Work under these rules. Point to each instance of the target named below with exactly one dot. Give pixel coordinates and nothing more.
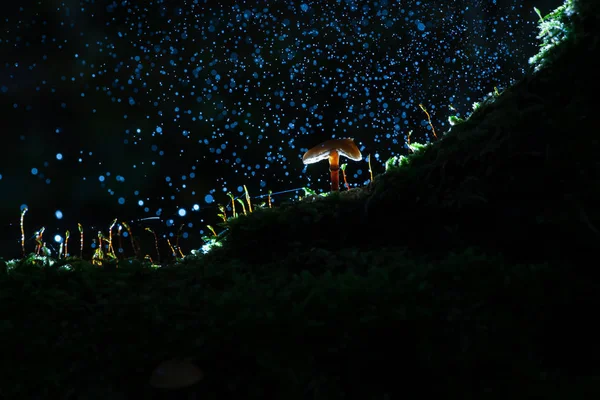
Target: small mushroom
(176, 374)
(332, 149)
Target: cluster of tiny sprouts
(104, 250)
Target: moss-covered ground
(469, 269)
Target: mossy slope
(365, 294)
(521, 176)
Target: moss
(460, 267)
(571, 24)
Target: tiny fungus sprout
(111, 249)
(177, 240)
(128, 229)
(223, 214)
(232, 204)
(120, 237)
(343, 168)
(155, 243)
(80, 240)
(428, 119)
(172, 248)
(212, 230)
(38, 238)
(67, 234)
(243, 205)
(23, 230)
(248, 199)
(331, 150)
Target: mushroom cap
(175, 374)
(346, 147)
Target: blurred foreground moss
(348, 323)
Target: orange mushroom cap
(345, 147)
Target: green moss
(554, 29)
(568, 25)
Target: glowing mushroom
(332, 150)
(175, 374)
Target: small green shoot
(243, 205)
(343, 168)
(454, 120)
(309, 192)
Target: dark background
(141, 110)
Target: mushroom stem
(334, 169)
